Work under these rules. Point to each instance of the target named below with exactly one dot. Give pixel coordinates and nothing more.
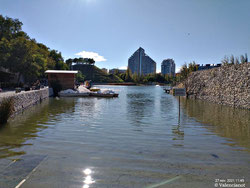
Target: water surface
(135, 140)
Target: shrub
(80, 77)
(6, 109)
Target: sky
(110, 31)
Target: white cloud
(93, 55)
(123, 67)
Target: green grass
(95, 74)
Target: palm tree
(81, 60)
(91, 61)
(75, 60)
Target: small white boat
(83, 92)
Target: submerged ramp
(18, 171)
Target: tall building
(168, 67)
(141, 63)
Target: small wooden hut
(64, 77)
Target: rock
(226, 85)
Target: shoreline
(130, 84)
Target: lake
(135, 140)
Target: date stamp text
(230, 182)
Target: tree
(59, 62)
(225, 61)
(184, 71)
(242, 59)
(69, 62)
(150, 78)
(192, 66)
(128, 75)
(91, 61)
(177, 78)
(81, 60)
(9, 28)
(167, 78)
(22, 55)
(237, 61)
(25, 59)
(5, 52)
(80, 77)
(135, 78)
(75, 60)
(159, 78)
(232, 60)
(246, 58)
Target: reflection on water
(88, 180)
(178, 132)
(234, 124)
(26, 126)
(139, 105)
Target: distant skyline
(111, 30)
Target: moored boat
(109, 95)
(83, 92)
(94, 89)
